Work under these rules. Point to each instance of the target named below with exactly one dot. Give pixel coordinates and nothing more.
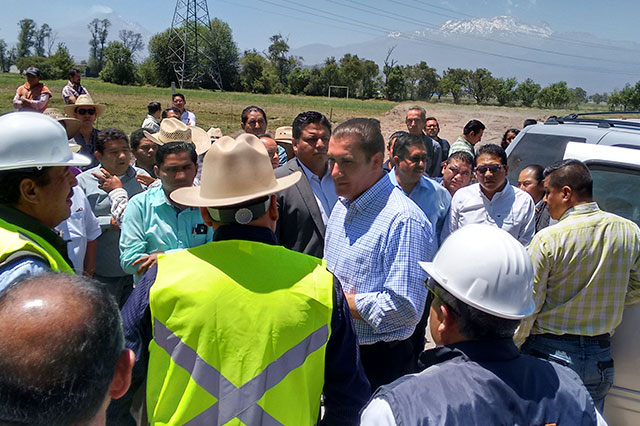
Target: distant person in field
(529, 122)
(87, 111)
(152, 121)
(471, 135)
(432, 128)
(272, 149)
(416, 121)
(254, 121)
(186, 116)
(171, 112)
(73, 89)
(32, 95)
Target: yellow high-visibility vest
(239, 336)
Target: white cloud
(98, 8)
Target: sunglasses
(493, 168)
(83, 111)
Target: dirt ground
(452, 119)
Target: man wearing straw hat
(36, 195)
(87, 112)
(241, 329)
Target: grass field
(127, 105)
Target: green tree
(614, 101)
(61, 61)
(555, 95)
(4, 58)
(481, 85)
(527, 92)
(627, 97)
(599, 98)
(359, 75)
(427, 80)
(315, 87)
(99, 29)
(256, 74)
(329, 76)
(396, 84)
(118, 67)
(453, 81)
(298, 80)
(225, 54)
(578, 96)
(26, 37)
(40, 38)
(278, 55)
(40, 62)
(505, 91)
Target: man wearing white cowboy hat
(87, 112)
(237, 329)
(174, 130)
(476, 375)
(36, 194)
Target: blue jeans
(590, 359)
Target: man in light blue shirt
(153, 224)
(374, 238)
(409, 160)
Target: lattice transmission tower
(191, 45)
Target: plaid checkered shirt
(373, 245)
(587, 268)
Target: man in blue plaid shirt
(374, 238)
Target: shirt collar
(376, 193)
(309, 173)
(234, 231)
(475, 350)
(581, 209)
(394, 180)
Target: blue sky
(254, 21)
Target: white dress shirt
(510, 209)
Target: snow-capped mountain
(491, 26)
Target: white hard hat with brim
(234, 171)
(486, 268)
(31, 139)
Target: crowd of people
(180, 276)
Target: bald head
(61, 341)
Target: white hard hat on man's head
(31, 139)
(486, 268)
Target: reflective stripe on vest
(239, 332)
(14, 239)
(240, 402)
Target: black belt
(600, 338)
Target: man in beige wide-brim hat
(243, 293)
(174, 130)
(87, 111)
(284, 138)
(84, 102)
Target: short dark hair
(10, 182)
(303, 119)
(109, 134)
(252, 108)
(394, 136)
(504, 144)
(180, 95)
(473, 323)
(175, 148)
(154, 107)
(166, 110)
(529, 122)
(462, 156)
(493, 150)
(423, 112)
(136, 136)
(474, 126)
(403, 142)
(431, 118)
(367, 131)
(538, 171)
(68, 384)
(72, 72)
(571, 173)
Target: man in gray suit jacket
(305, 207)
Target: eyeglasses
(459, 172)
(493, 168)
(432, 285)
(83, 111)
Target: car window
(616, 190)
(536, 148)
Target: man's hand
(114, 224)
(106, 181)
(146, 262)
(351, 301)
(144, 179)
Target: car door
(616, 179)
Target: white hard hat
(31, 139)
(485, 267)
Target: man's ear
(273, 208)
(448, 322)
(378, 159)
(567, 192)
(206, 217)
(122, 376)
(395, 160)
(29, 191)
(294, 145)
(156, 169)
(98, 156)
